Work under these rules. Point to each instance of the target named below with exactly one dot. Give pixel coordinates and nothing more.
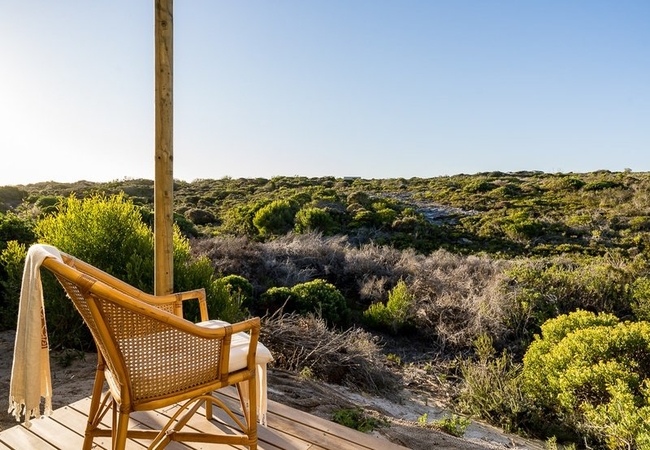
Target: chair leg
(120, 429)
(208, 410)
(247, 391)
(252, 412)
(93, 412)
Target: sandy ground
(74, 382)
(69, 384)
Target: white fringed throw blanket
(30, 374)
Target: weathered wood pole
(164, 176)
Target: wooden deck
(288, 429)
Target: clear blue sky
(370, 88)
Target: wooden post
(164, 176)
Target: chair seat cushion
(239, 347)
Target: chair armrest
(252, 326)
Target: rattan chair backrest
(142, 345)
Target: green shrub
(317, 296)
(276, 218)
(12, 261)
(11, 197)
(15, 234)
(315, 219)
(365, 218)
(544, 289)
(601, 185)
(393, 315)
(641, 298)
(222, 303)
(491, 387)
(360, 198)
(275, 298)
(239, 286)
(357, 419)
(190, 274)
(640, 223)
(563, 183)
(455, 425)
(507, 191)
(47, 204)
(520, 226)
(624, 421)
(108, 232)
(200, 216)
(186, 227)
(590, 374)
(478, 185)
(321, 297)
(238, 220)
(14, 228)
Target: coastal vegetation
(524, 296)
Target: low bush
(12, 260)
(16, 234)
(189, 274)
(239, 287)
(640, 289)
(358, 419)
(274, 299)
(454, 425)
(315, 297)
(15, 228)
(490, 387)
(276, 218)
(108, 232)
(590, 374)
(395, 314)
(314, 219)
(545, 288)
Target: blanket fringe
(18, 410)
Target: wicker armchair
(150, 357)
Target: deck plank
(220, 422)
(298, 430)
(156, 420)
(20, 438)
(355, 439)
(268, 439)
(77, 417)
(53, 432)
(288, 429)
(83, 406)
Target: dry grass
(457, 298)
(351, 358)
(461, 297)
